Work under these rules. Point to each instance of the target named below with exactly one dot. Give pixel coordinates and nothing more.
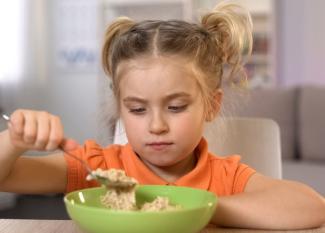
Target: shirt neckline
(199, 177)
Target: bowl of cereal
(147, 208)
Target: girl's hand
(37, 130)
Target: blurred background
(50, 60)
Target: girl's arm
(271, 204)
(34, 174)
(33, 130)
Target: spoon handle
(5, 117)
(89, 170)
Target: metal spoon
(103, 180)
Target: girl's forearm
(285, 205)
(8, 155)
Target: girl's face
(161, 108)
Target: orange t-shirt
(220, 175)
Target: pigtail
(231, 27)
(115, 29)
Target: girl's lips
(159, 145)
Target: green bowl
(197, 208)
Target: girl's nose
(158, 125)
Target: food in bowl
(160, 204)
(86, 210)
(124, 198)
(119, 200)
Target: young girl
(166, 77)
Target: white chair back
(257, 140)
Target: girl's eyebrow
(167, 98)
(177, 95)
(134, 99)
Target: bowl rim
(211, 204)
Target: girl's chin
(163, 164)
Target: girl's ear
(215, 106)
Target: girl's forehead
(156, 76)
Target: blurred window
(11, 39)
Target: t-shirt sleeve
(242, 175)
(236, 174)
(92, 154)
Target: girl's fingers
(30, 128)
(56, 133)
(43, 130)
(16, 127)
(69, 144)
(16, 124)
(13, 135)
(38, 131)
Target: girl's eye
(137, 110)
(177, 108)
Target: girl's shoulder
(231, 171)
(227, 159)
(112, 155)
(229, 166)
(91, 147)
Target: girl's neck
(174, 172)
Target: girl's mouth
(158, 146)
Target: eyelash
(177, 108)
(174, 109)
(137, 110)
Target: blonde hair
(221, 40)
